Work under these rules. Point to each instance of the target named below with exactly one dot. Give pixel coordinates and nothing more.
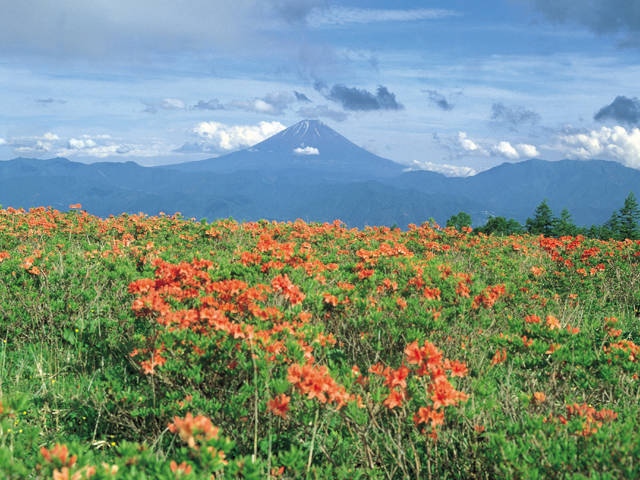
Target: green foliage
(459, 221)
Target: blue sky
(453, 86)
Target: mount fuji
(309, 147)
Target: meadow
(138, 346)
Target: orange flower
(443, 394)
(395, 399)
(182, 469)
(552, 322)
(329, 299)
(539, 397)
(60, 453)
(429, 415)
(499, 357)
(279, 405)
(532, 319)
(193, 430)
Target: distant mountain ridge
(309, 171)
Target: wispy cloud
(513, 116)
(439, 100)
(600, 16)
(345, 15)
(213, 104)
(164, 104)
(271, 104)
(443, 168)
(322, 111)
(49, 101)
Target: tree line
(623, 223)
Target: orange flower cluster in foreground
(428, 366)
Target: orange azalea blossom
(537, 271)
(489, 296)
(156, 360)
(431, 293)
(395, 399)
(330, 300)
(4, 256)
(532, 319)
(279, 405)
(193, 430)
(429, 415)
(499, 357)
(291, 292)
(316, 382)
(182, 469)
(539, 397)
(59, 453)
(552, 348)
(443, 394)
(552, 322)
(401, 303)
(626, 346)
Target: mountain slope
(310, 148)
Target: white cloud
(98, 146)
(615, 143)
(527, 151)
(226, 137)
(51, 137)
(467, 144)
(344, 15)
(505, 149)
(78, 144)
(443, 168)
(306, 151)
(517, 152)
(2, 141)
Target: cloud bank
(104, 29)
(615, 143)
(218, 136)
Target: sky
(455, 86)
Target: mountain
(309, 171)
(309, 148)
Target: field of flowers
(162, 347)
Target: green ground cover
(161, 347)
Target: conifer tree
(542, 221)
